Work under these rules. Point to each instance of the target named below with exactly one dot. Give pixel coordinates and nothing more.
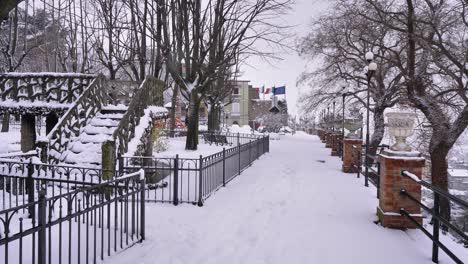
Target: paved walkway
(292, 206)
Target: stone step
(99, 138)
(114, 116)
(79, 147)
(114, 109)
(98, 122)
(94, 130)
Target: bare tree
(207, 40)
(434, 68)
(339, 42)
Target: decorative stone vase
(352, 125)
(400, 125)
(338, 125)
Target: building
(271, 114)
(237, 112)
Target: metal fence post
(238, 139)
(224, 167)
(121, 165)
(41, 242)
(258, 148)
(239, 156)
(268, 143)
(435, 233)
(30, 190)
(200, 182)
(359, 160)
(378, 180)
(142, 208)
(250, 152)
(176, 181)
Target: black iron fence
(217, 138)
(20, 182)
(371, 168)
(438, 220)
(78, 226)
(180, 180)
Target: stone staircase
(85, 150)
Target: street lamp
(369, 70)
(333, 120)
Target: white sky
(286, 71)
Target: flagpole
(263, 91)
(285, 92)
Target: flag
(279, 90)
(267, 91)
(258, 90)
(263, 89)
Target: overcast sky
(286, 71)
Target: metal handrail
(435, 213)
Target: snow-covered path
(289, 207)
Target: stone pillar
(350, 157)
(328, 139)
(108, 159)
(391, 182)
(28, 132)
(336, 137)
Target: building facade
(237, 112)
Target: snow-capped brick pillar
(392, 163)
(328, 139)
(351, 154)
(336, 141)
(321, 133)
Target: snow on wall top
(48, 74)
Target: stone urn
(400, 125)
(338, 125)
(353, 125)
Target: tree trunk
(439, 175)
(213, 118)
(192, 126)
(379, 130)
(28, 132)
(6, 122)
(174, 109)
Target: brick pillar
(328, 139)
(336, 138)
(323, 133)
(350, 159)
(320, 134)
(391, 182)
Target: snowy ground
(177, 146)
(292, 206)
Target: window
(235, 90)
(235, 108)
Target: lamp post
(333, 120)
(370, 70)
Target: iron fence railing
(371, 172)
(438, 220)
(180, 180)
(78, 226)
(217, 138)
(20, 182)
